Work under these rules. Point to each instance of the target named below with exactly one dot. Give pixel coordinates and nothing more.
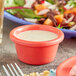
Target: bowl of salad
(56, 13)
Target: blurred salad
(58, 13)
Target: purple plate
(67, 33)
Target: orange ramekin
(36, 53)
(65, 67)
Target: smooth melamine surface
(37, 35)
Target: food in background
(45, 73)
(57, 13)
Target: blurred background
(7, 48)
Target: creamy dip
(37, 35)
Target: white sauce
(37, 35)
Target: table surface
(8, 53)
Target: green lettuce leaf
(59, 26)
(72, 3)
(50, 1)
(11, 3)
(28, 13)
(19, 2)
(61, 10)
